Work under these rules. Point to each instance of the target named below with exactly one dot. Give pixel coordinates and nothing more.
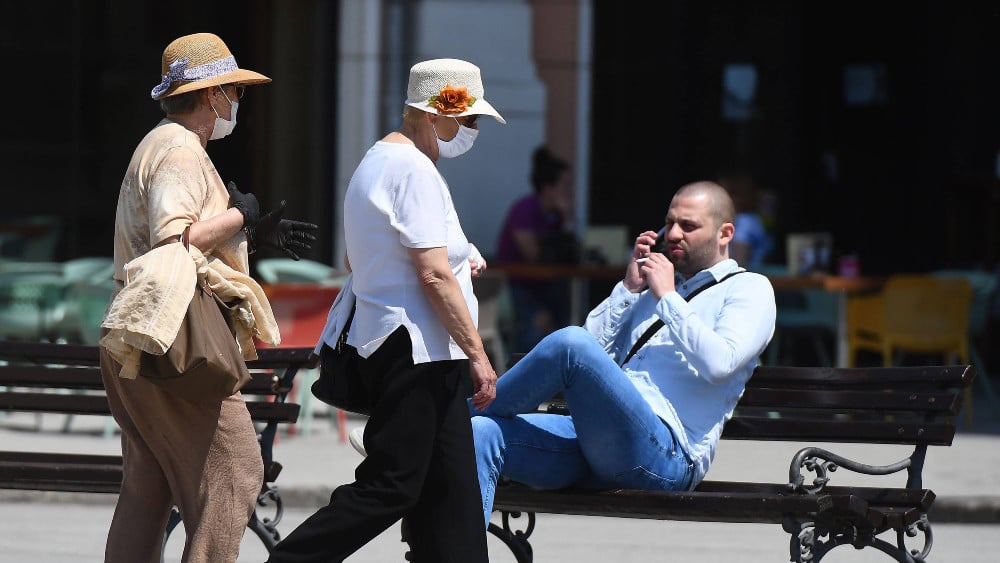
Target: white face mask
(224, 127)
(458, 146)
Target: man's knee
(570, 337)
(487, 437)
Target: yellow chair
(914, 314)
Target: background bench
(912, 406)
(65, 378)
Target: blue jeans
(612, 439)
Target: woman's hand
(477, 264)
(484, 383)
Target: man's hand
(246, 204)
(286, 235)
(635, 279)
(658, 271)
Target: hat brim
(481, 107)
(240, 76)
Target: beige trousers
(205, 459)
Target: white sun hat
(451, 87)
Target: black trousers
(420, 466)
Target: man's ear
(726, 232)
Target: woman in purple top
(536, 229)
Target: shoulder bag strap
(659, 322)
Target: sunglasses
(238, 88)
(470, 120)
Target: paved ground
(58, 528)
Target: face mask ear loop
(211, 105)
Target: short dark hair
(720, 203)
(181, 103)
(546, 168)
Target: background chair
(286, 270)
(30, 305)
(88, 286)
(301, 310)
(56, 302)
(38, 300)
(984, 288)
(804, 316)
(914, 314)
(490, 289)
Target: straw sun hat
(449, 87)
(198, 61)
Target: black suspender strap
(659, 322)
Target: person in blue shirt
(643, 415)
(753, 241)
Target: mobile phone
(660, 245)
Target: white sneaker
(357, 439)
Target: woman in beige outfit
(201, 457)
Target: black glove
(246, 203)
(284, 234)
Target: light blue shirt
(693, 370)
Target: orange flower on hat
(452, 100)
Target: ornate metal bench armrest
(822, 463)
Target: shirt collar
(712, 274)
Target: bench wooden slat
(900, 377)
(45, 353)
(280, 357)
(260, 411)
(893, 517)
(805, 429)
(59, 458)
(42, 471)
(915, 498)
(747, 507)
(262, 381)
(76, 377)
(268, 411)
(54, 402)
(939, 402)
(749, 502)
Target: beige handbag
(204, 363)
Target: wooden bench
(65, 378)
(912, 406)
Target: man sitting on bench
(651, 377)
